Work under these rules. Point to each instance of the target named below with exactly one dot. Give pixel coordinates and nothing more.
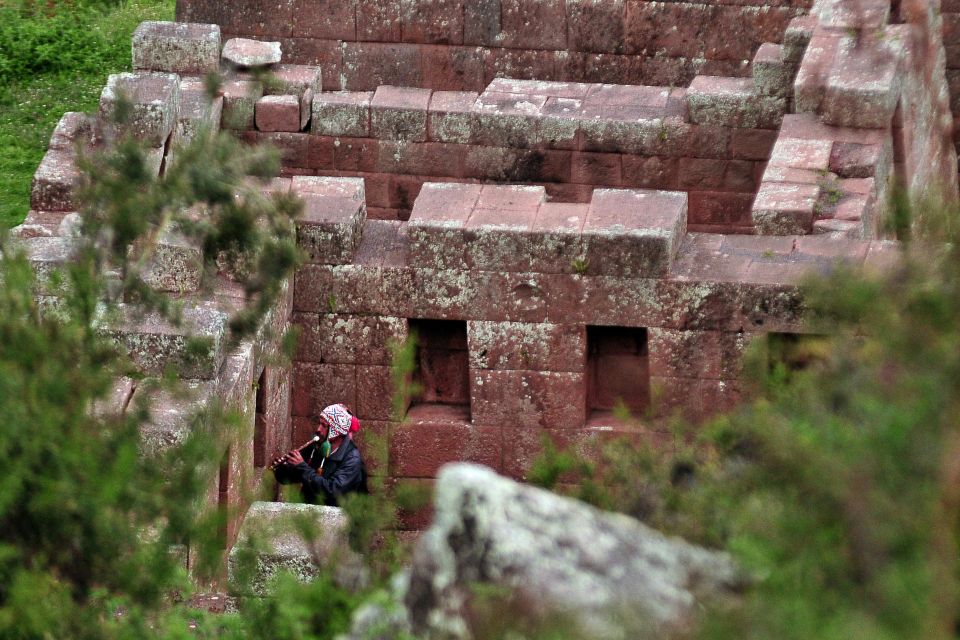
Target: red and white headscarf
(338, 419)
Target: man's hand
(294, 457)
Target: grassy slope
(31, 106)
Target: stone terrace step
(513, 228)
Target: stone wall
(567, 137)
(462, 45)
(951, 40)
(559, 241)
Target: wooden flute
(276, 463)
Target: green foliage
(838, 486)
(87, 523)
(54, 58)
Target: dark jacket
(342, 473)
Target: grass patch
(50, 63)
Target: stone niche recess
(575, 205)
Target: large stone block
(278, 113)
(633, 233)
(528, 399)
(177, 264)
(399, 113)
(198, 112)
(332, 222)
(531, 346)
(55, 182)
(245, 53)
(437, 224)
(342, 114)
(520, 539)
(863, 85)
(783, 208)
(316, 386)
(351, 339)
(435, 435)
(176, 47)
(194, 349)
(279, 527)
(72, 129)
(48, 256)
(432, 21)
(732, 102)
(173, 419)
(451, 116)
(154, 100)
(239, 104)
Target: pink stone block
(796, 153)
(531, 346)
(432, 436)
(316, 386)
(451, 116)
(334, 211)
(55, 182)
(732, 102)
(375, 392)
(520, 400)
(437, 224)
(784, 208)
(399, 113)
(342, 114)
(507, 120)
(278, 113)
(633, 233)
(863, 87)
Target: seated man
(326, 473)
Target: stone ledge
(512, 228)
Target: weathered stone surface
(177, 264)
(783, 208)
(731, 102)
(332, 221)
(399, 113)
(48, 256)
(176, 47)
(772, 75)
(154, 344)
(171, 417)
(521, 345)
(198, 112)
(154, 98)
(294, 79)
(72, 129)
(633, 233)
(608, 575)
(278, 113)
(863, 85)
(277, 526)
(245, 53)
(55, 181)
(239, 104)
(342, 114)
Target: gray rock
(245, 53)
(607, 574)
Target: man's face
(322, 429)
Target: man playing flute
(329, 467)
